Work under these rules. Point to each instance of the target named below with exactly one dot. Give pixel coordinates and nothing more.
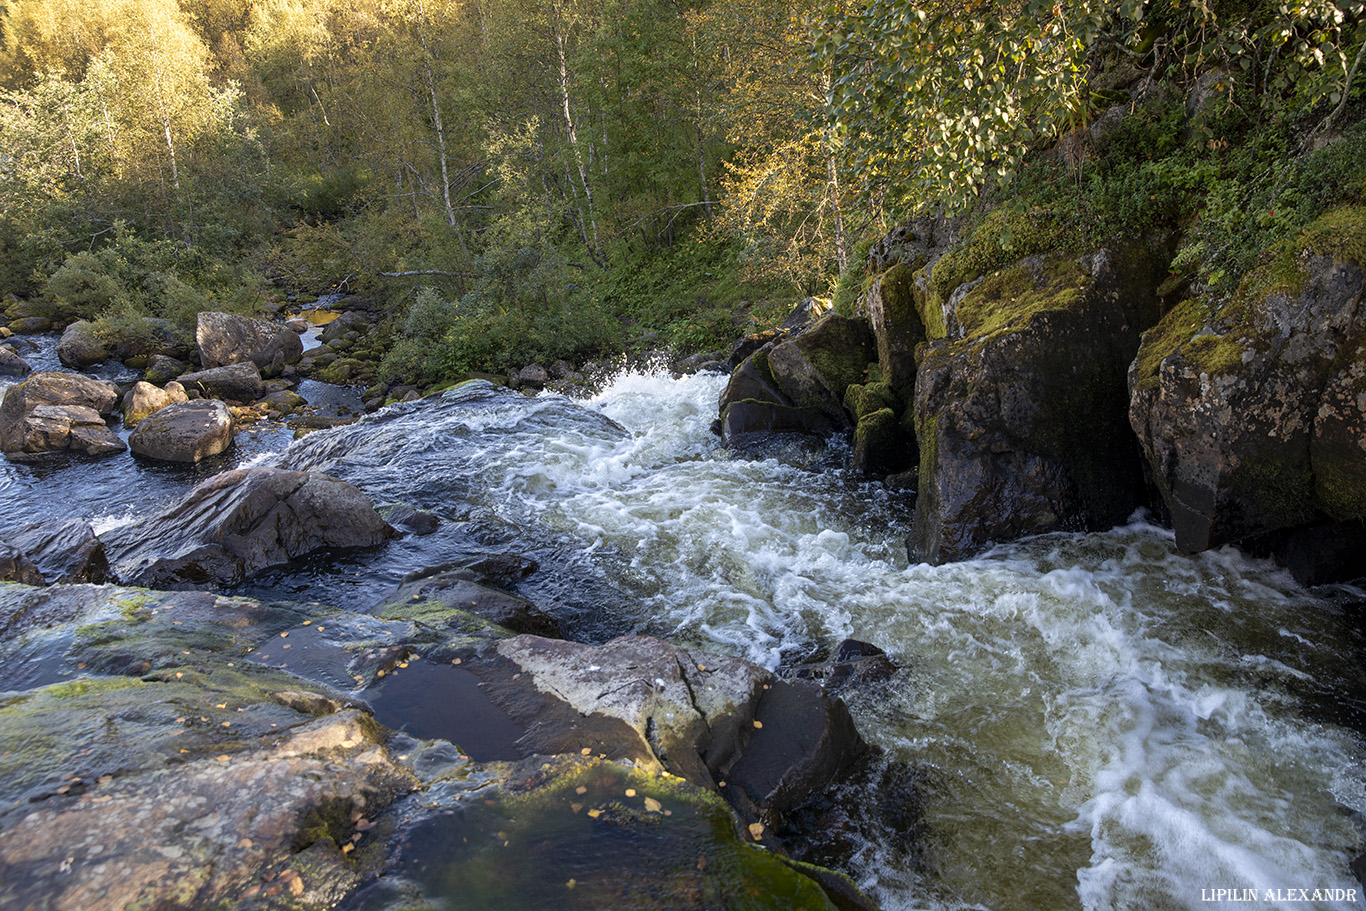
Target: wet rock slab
(191, 758)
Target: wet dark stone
(852, 662)
(61, 551)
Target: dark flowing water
(1098, 722)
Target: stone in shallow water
(51, 411)
(183, 431)
(571, 833)
(240, 522)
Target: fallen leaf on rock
(756, 830)
(594, 813)
(653, 805)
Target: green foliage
(939, 102)
(521, 311)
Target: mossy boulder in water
(82, 345)
(1252, 414)
(814, 368)
(1021, 410)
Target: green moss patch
(593, 834)
(1011, 297)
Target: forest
(514, 179)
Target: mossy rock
(881, 446)
(576, 833)
(1006, 300)
(862, 400)
(1248, 410)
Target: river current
(1094, 721)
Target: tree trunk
(595, 247)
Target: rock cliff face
(1021, 409)
(1252, 416)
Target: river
(1094, 721)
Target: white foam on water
(1103, 723)
(1097, 721)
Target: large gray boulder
(82, 345)
(1252, 414)
(183, 431)
(238, 383)
(226, 338)
(52, 412)
(1021, 407)
(240, 522)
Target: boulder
(754, 408)
(237, 383)
(142, 400)
(183, 431)
(705, 718)
(50, 412)
(814, 368)
(1252, 414)
(533, 376)
(162, 369)
(11, 364)
(226, 339)
(240, 522)
(82, 345)
(1021, 409)
(406, 518)
(61, 552)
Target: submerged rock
(1253, 415)
(1021, 406)
(225, 339)
(240, 522)
(458, 589)
(183, 431)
